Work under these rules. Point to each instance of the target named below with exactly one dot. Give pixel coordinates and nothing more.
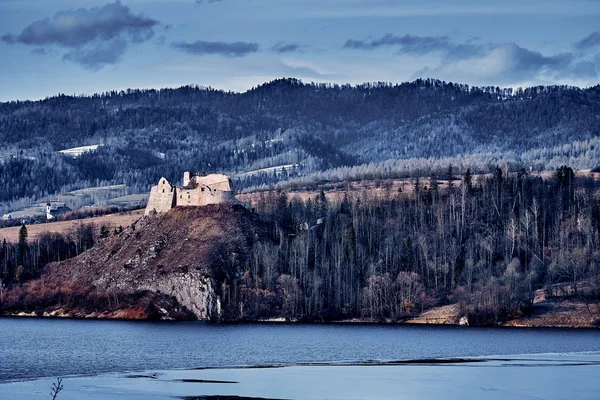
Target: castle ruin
(198, 190)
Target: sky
(49, 47)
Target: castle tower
(186, 178)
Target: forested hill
(305, 127)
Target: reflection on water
(48, 347)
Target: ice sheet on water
(548, 376)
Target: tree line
(25, 259)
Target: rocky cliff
(168, 266)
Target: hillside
(287, 129)
(486, 247)
(169, 266)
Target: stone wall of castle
(219, 182)
(162, 197)
(202, 196)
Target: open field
(382, 188)
(335, 192)
(131, 200)
(11, 234)
(277, 169)
(77, 151)
(98, 195)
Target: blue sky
(81, 47)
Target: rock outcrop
(167, 266)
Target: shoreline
(511, 324)
(558, 312)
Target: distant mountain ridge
(151, 133)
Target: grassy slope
(125, 219)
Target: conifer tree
(23, 246)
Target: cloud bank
(504, 63)
(233, 49)
(408, 43)
(96, 36)
(282, 47)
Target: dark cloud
(590, 41)
(98, 56)
(526, 60)
(465, 51)
(234, 49)
(523, 63)
(418, 45)
(408, 43)
(96, 37)
(286, 47)
(75, 28)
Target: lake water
(32, 348)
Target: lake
(34, 348)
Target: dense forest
(487, 244)
(312, 131)
(25, 259)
